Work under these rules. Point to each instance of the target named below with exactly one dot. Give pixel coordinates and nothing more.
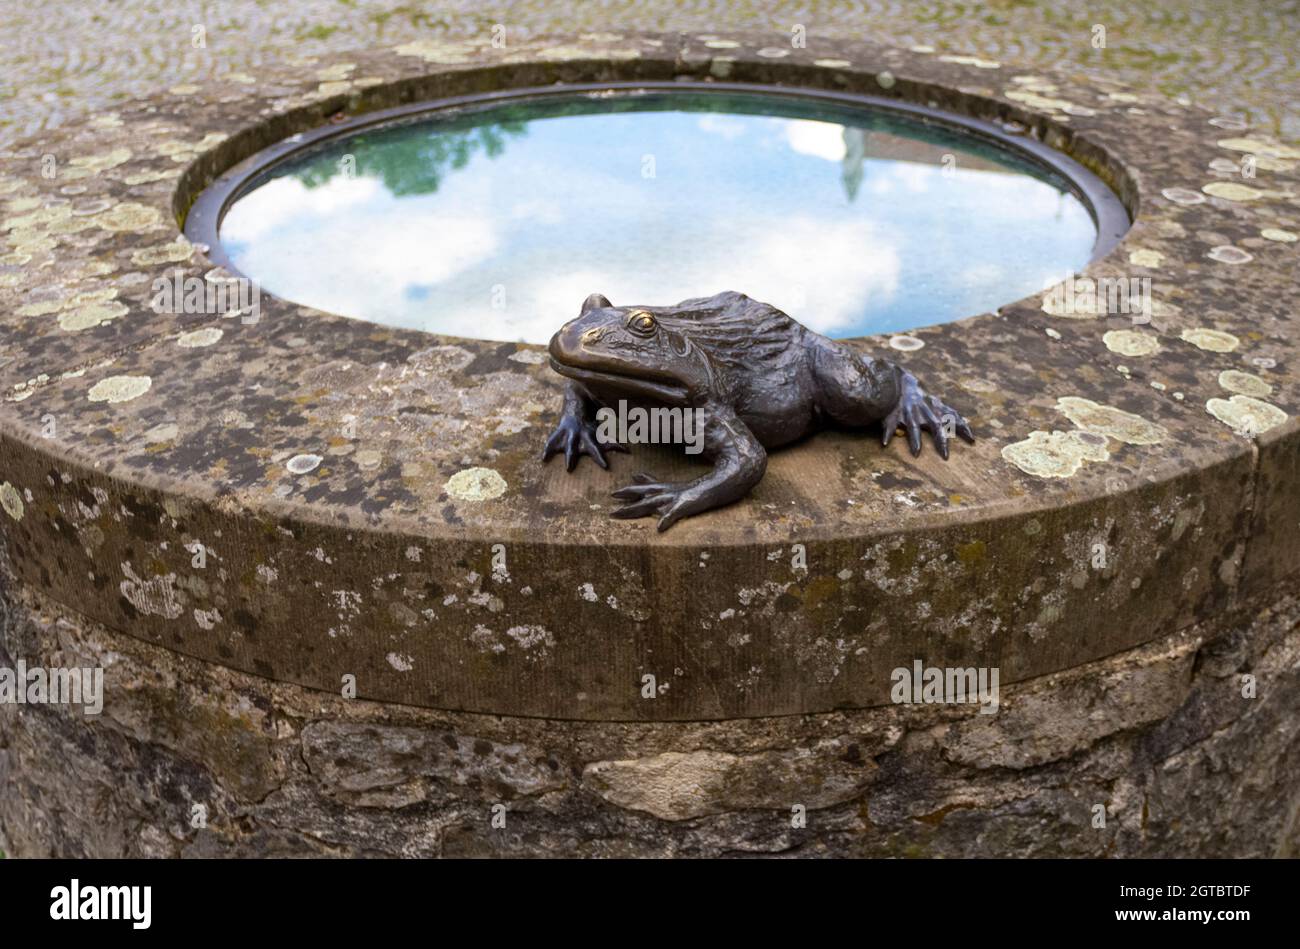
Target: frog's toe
(649, 504)
(961, 427)
(647, 496)
(938, 430)
(889, 428)
(913, 426)
(671, 502)
(676, 511)
(557, 443)
(948, 422)
(645, 484)
(576, 438)
(589, 446)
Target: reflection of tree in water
(855, 156)
(408, 162)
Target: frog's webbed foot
(576, 436)
(670, 501)
(739, 464)
(917, 410)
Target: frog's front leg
(576, 433)
(739, 462)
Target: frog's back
(736, 330)
(761, 351)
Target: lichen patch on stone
(1227, 254)
(905, 343)
(116, 389)
(129, 216)
(1143, 257)
(571, 53)
(11, 501)
(1054, 454)
(41, 307)
(1131, 343)
(1036, 101)
(83, 166)
(1111, 422)
(1258, 146)
(1245, 415)
(1214, 341)
(172, 253)
(1184, 196)
(92, 314)
(199, 338)
(153, 597)
(971, 61)
(302, 464)
(476, 484)
(1232, 191)
(1244, 383)
(402, 662)
(148, 177)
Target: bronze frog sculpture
(762, 379)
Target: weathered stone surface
(1067, 716)
(62, 61)
(378, 766)
(1160, 737)
(676, 786)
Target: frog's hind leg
(739, 462)
(576, 433)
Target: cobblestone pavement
(63, 57)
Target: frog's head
(631, 351)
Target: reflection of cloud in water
(319, 261)
(840, 265)
(982, 274)
(819, 139)
(912, 177)
(821, 272)
(724, 125)
(978, 191)
(269, 207)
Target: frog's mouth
(659, 390)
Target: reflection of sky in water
(498, 226)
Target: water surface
(496, 222)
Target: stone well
(240, 522)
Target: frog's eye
(641, 323)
